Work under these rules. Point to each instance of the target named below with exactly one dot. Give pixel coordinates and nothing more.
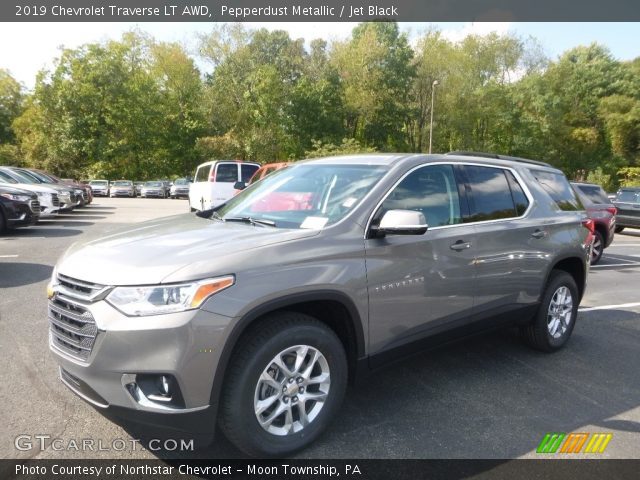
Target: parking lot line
(610, 307)
(615, 265)
(8, 256)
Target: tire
(286, 336)
(191, 209)
(619, 229)
(538, 334)
(597, 247)
(3, 223)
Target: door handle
(460, 245)
(539, 234)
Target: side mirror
(402, 222)
(240, 185)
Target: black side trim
(492, 320)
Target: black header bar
(319, 10)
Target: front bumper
(21, 214)
(185, 346)
(122, 193)
(153, 193)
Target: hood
(147, 253)
(5, 188)
(31, 187)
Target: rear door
(221, 188)
(199, 187)
(511, 248)
(421, 284)
(628, 205)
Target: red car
(603, 213)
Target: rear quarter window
(558, 188)
(592, 194)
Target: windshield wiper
(251, 220)
(210, 213)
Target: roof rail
(499, 157)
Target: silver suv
(256, 314)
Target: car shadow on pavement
(17, 274)
(453, 402)
(44, 230)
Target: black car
(628, 204)
(18, 208)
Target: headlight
(159, 299)
(42, 194)
(18, 198)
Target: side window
(202, 175)
(431, 190)
(490, 197)
(519, 198)
(227, 172)
(247, 171)
(558, 188)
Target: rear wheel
(285, 382)
(597, 248)
(556, 316)
(619, 229)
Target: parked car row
(179, 188)
(28, 195)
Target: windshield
(4, 178)
(123, 183)
(98, 182)
(153, 184)
(592, 194)
(181, 181)
(24, 177)
(628, 196)
(305, 195)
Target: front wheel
(619, 229)
(552, 326)
(285, 382)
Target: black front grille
(55, 201)
(73, 328)
(35, 206)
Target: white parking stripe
(615, 265)
(624, 245)
(610, 307)
(8, 256)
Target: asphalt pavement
(486, 397)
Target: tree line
(139, 108)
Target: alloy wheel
(559, 312)
(292, 390)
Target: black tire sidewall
(242, 394)
(598, 235)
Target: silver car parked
(256, 314)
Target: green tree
(11, 99)
(376, 71)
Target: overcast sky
(26, 48)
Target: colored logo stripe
(598, 443)
(550, 443)
(574, 442)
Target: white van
(214, 182)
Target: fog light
(159, 390)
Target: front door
(421, 284)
